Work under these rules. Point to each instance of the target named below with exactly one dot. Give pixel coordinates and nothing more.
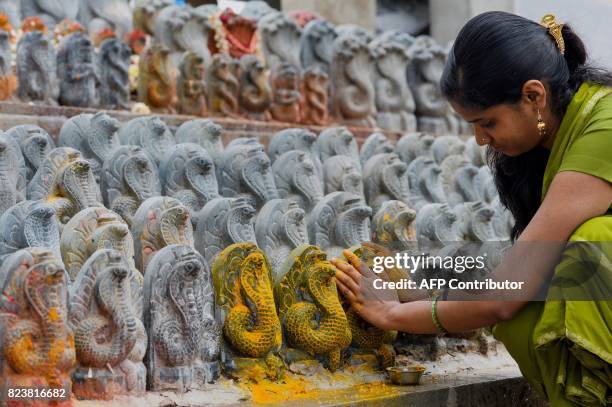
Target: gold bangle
(434, 316)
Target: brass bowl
(405, 374)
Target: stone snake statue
(77, 71)
(393, 226)
(65, 181)
(190, 85)
(255, 95)
(37, 339)
(376, 143)
(204, 132)
(37, 69)
(94, 135)
(150, 133)
(29, 224)
(384, 179)
(222, 85)
(35, 145)
(92, 229)
(350, 75)
(177, 338)
(114, 64)
(280, 228)
(339, 221)
(245, 170)
(245, 299)
(315, 96)
(188, 174)
(296, 177)
(159, 222)
(129, 177)
(337, 141)
(156, 81)
(365, 335)
(319, 325)
(222, 222)
(111, 333)
(179, 309)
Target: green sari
(567, 354)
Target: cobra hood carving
(296, 177)
(105, 312)
(94, 135)
(339, 221)
(29, 224)
(184, 338)
(385, 178)
(245, 171)
(35, 144)
(393, 226)
(92, 229)
(222, 222)
(159, 222)
(376, 143)
(188, 174)
(341, 174)
(204, 132)
(425, 185)
(65, 181)
(280, 227)
(150, 133)
(337, 141)
(37, 340)
(129, 177)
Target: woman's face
(508, 128)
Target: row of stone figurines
(101, 326)
(150, 163)
(228, 87)
(383, 79)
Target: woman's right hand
(356, 282)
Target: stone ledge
(51, 118)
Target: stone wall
(359, 12)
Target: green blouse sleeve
(591, 151)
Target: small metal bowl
(405, 374)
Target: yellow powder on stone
(294, 387)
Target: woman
(546, 118)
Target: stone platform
(454, 380)
(51, 118)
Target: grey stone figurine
(37, 69)
(114, 65)
(76, 71)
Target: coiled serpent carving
(254, 330)
(106, 341)
(320, 326)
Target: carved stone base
(254, 369)
(171, 378)
(104, 384)
(207, 372)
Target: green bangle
(434, 316)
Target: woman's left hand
(371, 304)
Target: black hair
(493, 56)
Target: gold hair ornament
(554, 28)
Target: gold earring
(541, 125)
